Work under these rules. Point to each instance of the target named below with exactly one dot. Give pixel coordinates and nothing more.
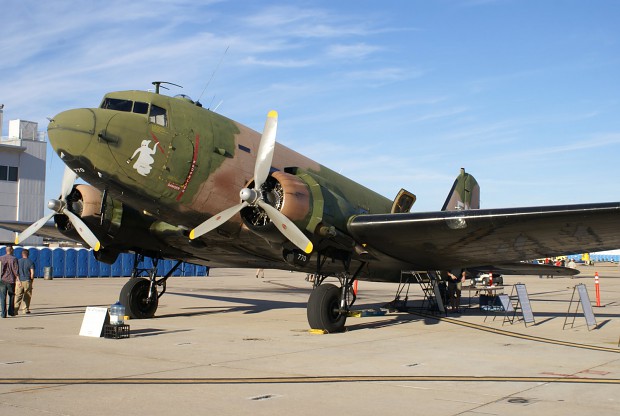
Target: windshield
(129, 106)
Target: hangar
(22, 175)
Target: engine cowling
(287, 193)
(118, 228)
(85, 201)
(314, 207)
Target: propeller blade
(265, 150)
(216, 220)
(83, 230)
(34, 227)
(68, 179)
(287, 227)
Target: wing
(469, 238)
(49, 230)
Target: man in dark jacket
(8, 262)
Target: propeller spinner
(253, 197)
(59, 206)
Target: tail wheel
(324, 309)
(135, 297)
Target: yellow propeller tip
(97, 246)
(309, 248)
(16, 240)
(272, 114)
(192, 235)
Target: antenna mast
(158, 85)
(213, 73)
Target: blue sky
(524, 94)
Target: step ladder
(428, 281)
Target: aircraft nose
(70, 132)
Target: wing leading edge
(468, 238)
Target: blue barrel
(201, 270)
(93, 265)
(58, 262)
(82, 262)
(71, 261)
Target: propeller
(254, 197)
(59, 206)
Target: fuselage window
(158, 116)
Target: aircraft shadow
(249, 306)
(149, 332)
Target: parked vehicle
(483, 279)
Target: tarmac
(231, 344)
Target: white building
(22, 176)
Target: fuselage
(180, 163)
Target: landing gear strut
(140, 295)
(329, 305)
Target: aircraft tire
(134, 297)
(322, 309)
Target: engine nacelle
(85, 201)
(118, 228)
(309, 201)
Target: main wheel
(134, 296)
(324, 309)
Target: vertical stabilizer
(465, 193)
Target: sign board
(94, 319)
(586, 305)
(505, 302)
(524, 300)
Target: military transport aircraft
(171, 179)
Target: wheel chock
(317, 331)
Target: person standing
(455, 285)
(23, 286)
(7, 281)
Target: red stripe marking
(158, 144)
(191, 169)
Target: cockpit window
(140, 108)
(117, 104)
(127, 106)
(158, 116)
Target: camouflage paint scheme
(201, 161)
(165, 174)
